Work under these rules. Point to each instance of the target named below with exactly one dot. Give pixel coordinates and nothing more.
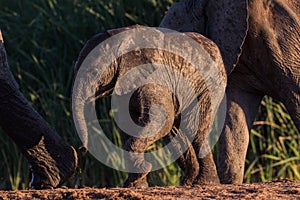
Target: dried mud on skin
(271, 190)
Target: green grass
(43, 39)
(274, 150)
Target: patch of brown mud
(271, 190)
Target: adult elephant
(51, 160)
(165, 79)
(260, 44)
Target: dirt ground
(284, 189)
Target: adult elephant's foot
(51, 163)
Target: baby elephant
(161, 82)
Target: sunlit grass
(274, 150)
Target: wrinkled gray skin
(269, 63)
(51, 160)
(148, 95)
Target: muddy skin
(51, 160)
(263, 37)
(146, 97)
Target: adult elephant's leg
(242, 106)
(289, 95)
(51, 160)
(294, 110)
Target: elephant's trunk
(79, 120)
(83, 94)
(51, 159)
(86, 89)
(90, 83)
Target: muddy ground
(284, 189)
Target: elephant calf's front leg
(152, 109)
(135, 162)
